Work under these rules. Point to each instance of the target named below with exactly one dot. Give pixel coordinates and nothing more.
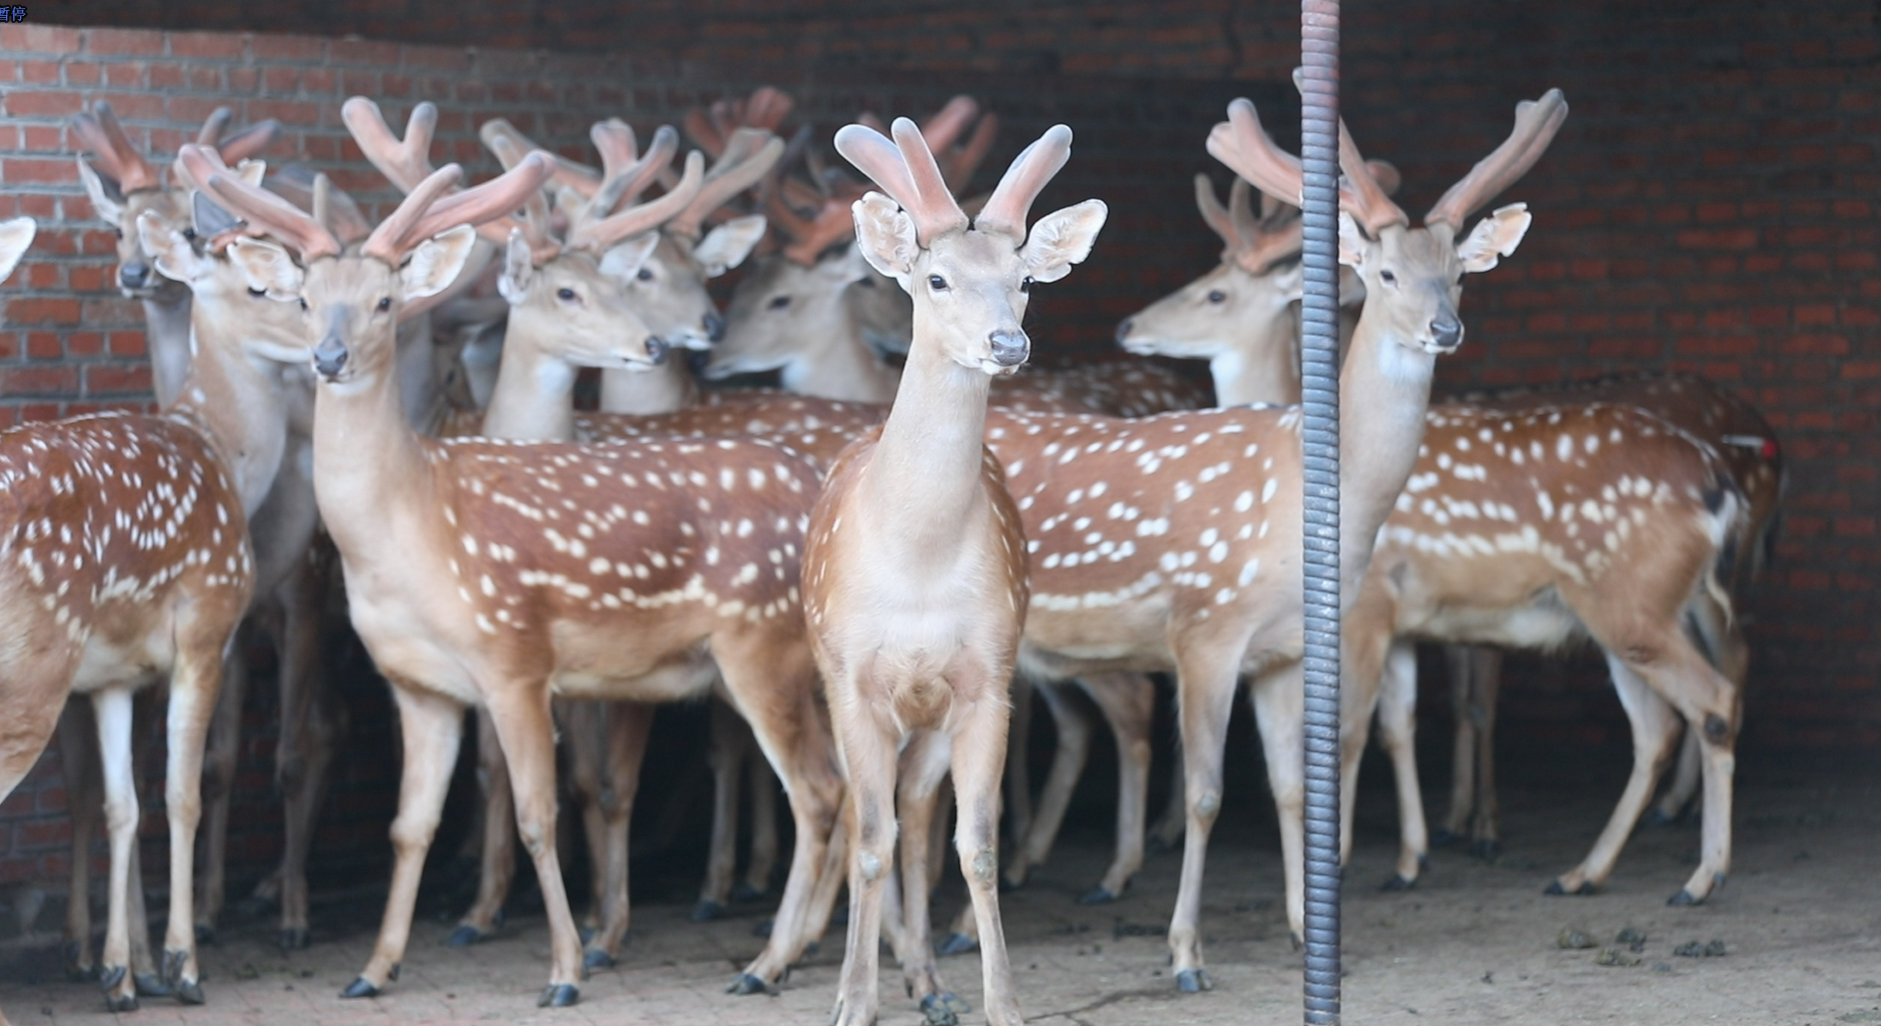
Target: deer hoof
(1294, 938)
(596, 958)
(763, 927)
(706, 911)
(746, 983)
(360, 988)
(558, 995)
(293, 938)
(1099, 895)
(110, 976)
(956, 944)
(464, 936)
(1682, 899)
(150, 985)
(1194, 981)
(586, 933)
(745, 893)
(1487, 850)
(1444, 838)
(205, 934)
(1399, 882)
(189, 992)
(78, 965)
(938, 1010)
(114, 1003)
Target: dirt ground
(1800, 922)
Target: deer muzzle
(134, 275)
(1010, 348)
(657, 351)
(714, 326)
(1446, 334)
(329, 357)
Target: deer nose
(1123, 330)
(329, 357)
(1010, 348)
(657, 349)
(1446, 333)
(714, 326)
(134, 275)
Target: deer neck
(1384, 390)
(664, 389)
(534, 397)
(925, 472)
(166, 333)
(839, 364)
(369, 464)
(239, 401)
(1266, 369)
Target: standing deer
(915, 566)
(125, 555)
(497, 573)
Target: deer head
(1413, 276)
(266, 330)
(124, 185)
(351, 303)
(15, 236)
(970, 280)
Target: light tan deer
(493, 573)
(915, 566)
(125, 556)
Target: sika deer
(493, 573)
(915, 566)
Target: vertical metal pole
(1319, 154)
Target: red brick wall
(1707, 206)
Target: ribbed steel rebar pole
(1319, 153)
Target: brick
(136, 42)
(43, 103)
(207, 44)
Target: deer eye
(119, 232)
(565, 294)
(937, 283)
(1387, 277)
(1217, 296)
(1025, 284)
(258, 293)
(303, 304)
(644, 274)
(867, 283)
(779, 302)
(385, 303)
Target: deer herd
(869, 573)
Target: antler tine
(946, 126)
(596, 235)
(964, 160)
(628, 173)
(1005, 211)
(768, 107)
(389, 240)
(740, 168)
(534, 224)
(1536, 122)
(1213, 213)
(872, 121)
(1365, 199)
(259, 207)
(703, 132)
(297, 184)
(484, 203)
(573, 174)
(1241, 212)
(1271, 245)
(211, 131)
(1243, 145)
(103, 135)
(406, 163)
(249, 141)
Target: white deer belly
(105, 663)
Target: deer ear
(176, 259)
(885, 236)
(518, 267)
(15, 236)
(1352, 241)
(845, 265)
(1289, 283)
(1494, 237)
(435, 264)
(624, 261)
(727, 246)
(1062, 238)
(106, 197)
(267, 266)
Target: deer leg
(730, 740)
(1168, 831)
(584, 733)
(1074, 747)
(310, 729)
(763, 856)
(868, 749)
(224, 747)
(1655, 723)
(1128, 702)
(978, 754)
(84, 801)
(497, 867)
(922, 768)
(526, 730)
(1686, 774)
(628, 724)
(193, 687)
(430, 727)
(1018, 768)
(112, 708)
(1485, 689)
(1397, 729)
(1206, 683)
(1279, 700)
(1456, 660)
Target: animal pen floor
(1800, 922)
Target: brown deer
(915, 565)
(125, 556)
(496, 573)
